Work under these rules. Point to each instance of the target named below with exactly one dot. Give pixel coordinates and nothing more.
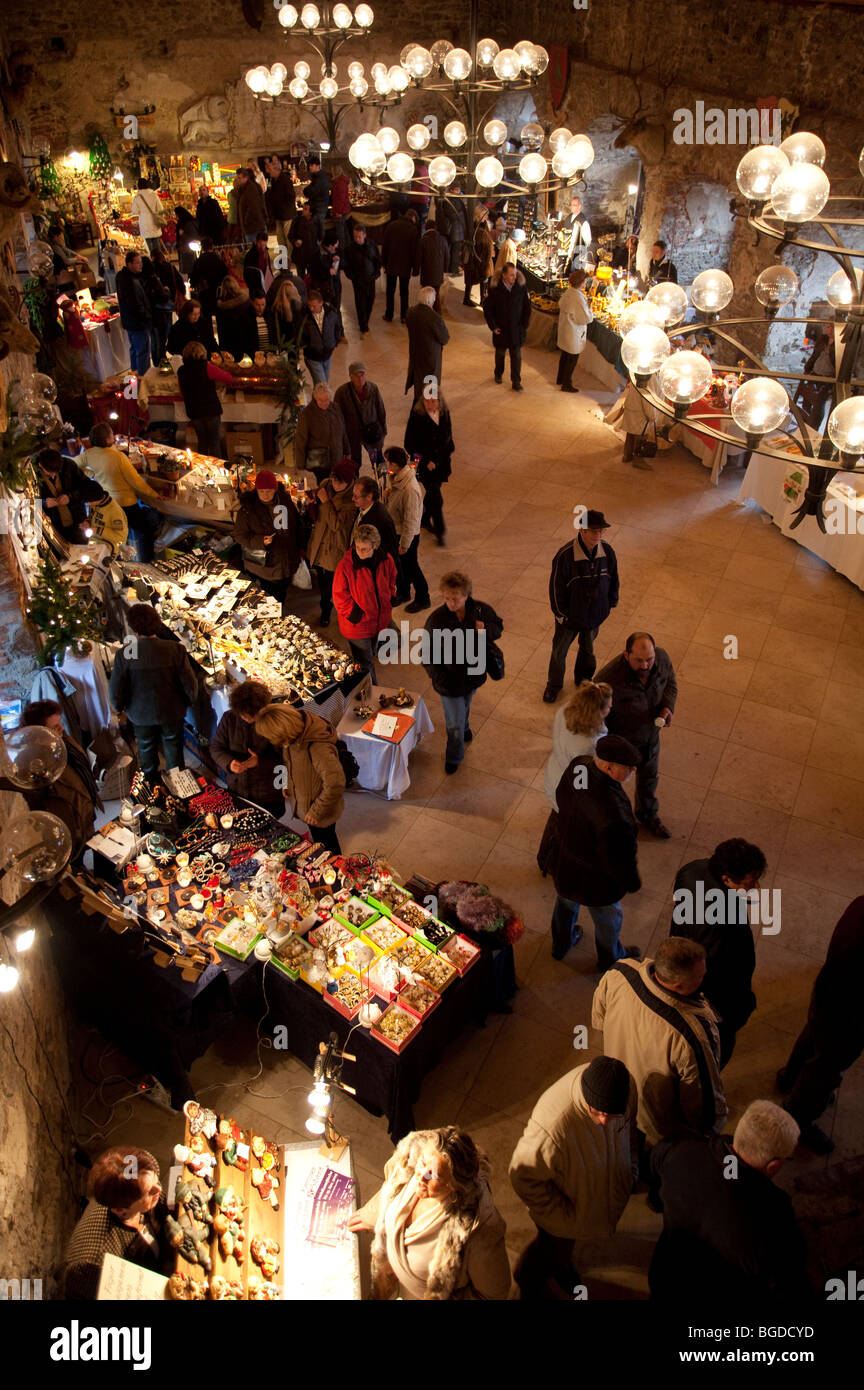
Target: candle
(184, 878)
(196, 902)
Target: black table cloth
(608, 344)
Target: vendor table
(843, 549)
(600, 357)
(107, 350)
(383, 765)
(713, 453)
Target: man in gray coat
(427, 335)
(153, 684)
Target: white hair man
(728, 1231)
(427, 335)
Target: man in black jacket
(324, 270)
(729, 1233)
(450, 217)
(507, 310)
(457, 635)
(136, 313)
(660, 268)
(362, 265)
(427, 338)
(153, 683)
(433, 257)
(210, 218)
(65, 492)
(583, 589)
(372, 512)
(317, 193)
(399, 254)
(320, 331)
(710, 907)
(304, 239)
(362, 407)
(205, 277)
(280, 201)
(644, 691)
(589, 848)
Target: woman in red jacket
(364, 587)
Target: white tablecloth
(763, 483)
(384, 766)
(107, 352)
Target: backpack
(348, 762)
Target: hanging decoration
(100, 160)
(49, 179)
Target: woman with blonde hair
(314, 780)
(575, 732)
(574, 316)
(438, 1234)
(285, 312)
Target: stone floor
(766, 746)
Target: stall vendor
(65, 492)
(123, 1217)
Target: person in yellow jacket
(124, 486)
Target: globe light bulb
(302, 69)
(559, 139)
(417, 136)
(671, 299)
(711, 291)
(24, 940)
(439, 51)
(800, 194)
(32, 757)
(309, 16)
(8, 978)
(403, 56)
(644, 349)
(274, 88)
(319, 1097)
(582, 151)
(758, 169)
(489, 171)
(759, 405)
(685, 377)
(299, 88)
(355, 69)
(803, 148)
(495, 133)
(442, 171)
(329, 70)
(328, 87)
(382, 84)
(457, 64)
(419, 62)
(342, 17)
(363, 16)
(37, 845)
(776, 285)
(532, 135)
(564, 164)
(288, 16)
(378, 70)
(506, 65)
(846, 426)
(388, 139)
(376, 163)
(400, 168)
(358, 87)
(532, 168)
(367, 147)
(315, 1126)
(840, 291)
(541, 59)
(279, 71)
(524, 51)
(643, 311)
(455, 134)
(256, 80)
(399, 78)
(487, 52)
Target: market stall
(382, 745)
(107, 351)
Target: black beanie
(612, 748)
(606, 1085)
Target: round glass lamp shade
(803, 148)
(840, 291)
(457, 64)
(302, 69)
(377, 163)
(846, 426)
(776, 285)
(506, 65)
(279, 71)
(367, 147)
(256, 80)
(403, 56)
(643, 311)
(400, 168)
(455, 134)
(43, 386)
(487, 52)
(355, 69)
(358, 87)
(298, 87)
(32, 757)
(364, 16)
(378, 70)
(38, 845)
(495, 133)
(532, 135)
(419, 62)
(685, 377)
(801, 193)
(711, 291)
(288, 16)
(36, 419)
(532, 168)
(644, 349)
(383, 85)
(309, 16)
(671, 299)
(399, 78)
(758, 169)
(439, 51)
(489, 171)
(541, 59)
(560, 138)
(388, 139)
(418, 136)
(563, 164)
(581, 151)
(274, 86)
(342, 17)
(759, 405)
(328, 87)
(524, 50)
(442, 171)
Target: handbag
(301, 578)
(494, 662)
(646, 448)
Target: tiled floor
(766, 746)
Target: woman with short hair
(123, 1218)
(314, 780)
(248, 760)
(457, 657)
(198, 379)
(364, 587)
(575, 731)
(574, 316)
(191, 327)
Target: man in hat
(574, 1169)
(644, 691)
(362, 408)
(589, 848)
(583, 589)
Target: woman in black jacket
(269, 530)
(248, 760)
(197, 379)
(429, 439)
(187, 232)
(457, 657)
(191, 327)
(64, 491)
(235, 319)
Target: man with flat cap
(362, 407)
(583, 589)
(574, 1169)
(589, 848)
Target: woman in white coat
(574, 316)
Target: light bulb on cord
(758, 169)
(800, 194)
(24, 940)
(671, 299)
(758, 406)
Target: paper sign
(385, 725)
(131, 1283)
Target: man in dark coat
(589, 848)
(399, 254)
(136, 312)
(205, 277)
(728, 1231)
(427, 336)
(433, 257)
(280, 200)
(833, 1036)
(153, 684)
(304, 239)
(372, 512)
(325, 270)
(451, 217)
(457, 662)
(210, 217)
(710, 907)
(644, 691)
(362, 407)
(507, 310)
(319, 332)
(250, 206)
(248, 760)
(583, 590)
(65, 491)
(660, 267)
(317, 193)
(362, 265)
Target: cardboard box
(366, 914)
(397, 1047)
(461, 953)
(248, 442)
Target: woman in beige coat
(331, 534)
(438, 1234)
(314, 780)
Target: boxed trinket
(461, 953)
(419, 999)
(349, 995)
(238, 939)
(437, 972)
(384, 934)
(423, 926)
(389, 898)
(395, 1028)
(355, 914)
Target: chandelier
(787, 191)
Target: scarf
(55, 487)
